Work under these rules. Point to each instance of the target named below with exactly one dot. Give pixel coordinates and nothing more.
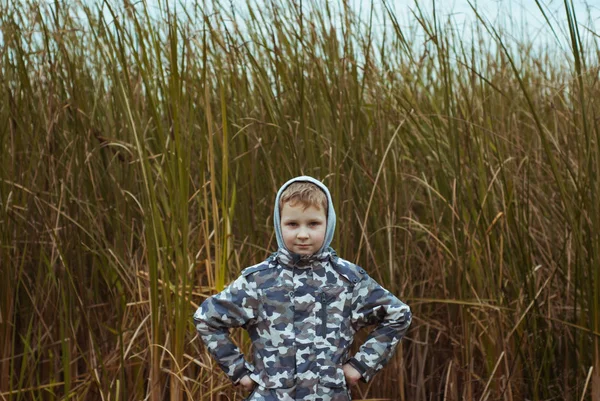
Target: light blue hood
(330, 212)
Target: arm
(235, 306)
(374, 305)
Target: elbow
(406, 319)
(402, 317)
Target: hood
(330, 212)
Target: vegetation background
(140, 152)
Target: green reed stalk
(590, 162)
(130, 137)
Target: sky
(523, 16)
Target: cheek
(321, 235)
(287, 233)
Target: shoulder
(262, 266)
(351, 271)
(254, 269)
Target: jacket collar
(289, 259)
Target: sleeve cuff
(360, 367)
(239, 374)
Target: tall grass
(141, 149)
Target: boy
(301, 308)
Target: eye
(291, 224)
(315, 223)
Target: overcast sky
(519, 19)
(521, 14)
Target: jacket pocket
(333, 377)
(332, 312)
(334, 315)
(275, 367)
(276, 316)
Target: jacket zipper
(323, 332)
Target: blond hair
(305, 193)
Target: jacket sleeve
(235, 306)
(374, 305)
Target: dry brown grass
(140, 155)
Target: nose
(302, 233)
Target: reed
(141, 147)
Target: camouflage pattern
(323, 393)
(301, 314)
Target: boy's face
(303, 230)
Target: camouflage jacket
(301, 315)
